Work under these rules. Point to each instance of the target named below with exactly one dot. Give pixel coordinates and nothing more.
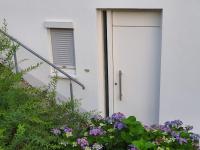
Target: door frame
(110, 61)
(110, 55)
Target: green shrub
(28, 114)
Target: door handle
(120, 85)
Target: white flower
(68, 134)
(87, 148)
(63, 143)
(97, 146)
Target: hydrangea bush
(120, 133)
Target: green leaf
(129, 120)
(143, 145)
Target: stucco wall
(180, 73)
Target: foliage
(119, 133)
(7, 47)
(28, 114)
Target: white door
(136, 52)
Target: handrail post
(71, 94)
(15, 60)
(71, 90)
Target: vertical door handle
(120, 85)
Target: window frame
(71, 70)
(52, 31)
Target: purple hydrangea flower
(178, 137)
(164, 129)
(167, 130)
(167, 123)
(182, 140)
(159, 127)
(96, 131)
(175, 123)
(188, 128)
(132, 147)
(118, 116)
(194, 137)
(82, 142)
(175, 135)
(119, 125)
(66, 130)
(56, 131)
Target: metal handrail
(45, 60)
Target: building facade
(140, 57)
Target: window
(62, 40)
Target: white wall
(180, 73)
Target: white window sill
(58, 23)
